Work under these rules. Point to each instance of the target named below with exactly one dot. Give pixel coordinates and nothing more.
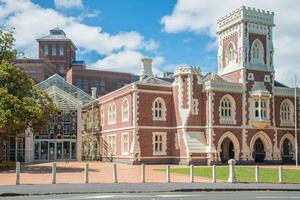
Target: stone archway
(228, 147)
(261, 147)
(287, 148)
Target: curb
(154, 191)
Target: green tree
(7, 40)
(21, 104)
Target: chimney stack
(146, 68)
(94, 92)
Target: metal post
(168, 173)
(86, 172)
(231, 178)
(214, 173)
(296, 117)
(54, 173)
(115, 178)
(280, 174)
(256, 174)
(18, 171)
(143, 173)
(191, 173)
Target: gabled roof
(213, 77)
(62, 84)
(154, 80)
(215, 82)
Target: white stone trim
(235, 142)
(164, 143)
(251, 77)
(125, 119)
(290, 122)
(266, 141)
(111, 114)
(124, 153)
(113, 151)
(228, 120)
(163, 109)
(291, 138)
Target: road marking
(176, 195)
(122, 196)
(277, 197)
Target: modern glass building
(62, 139)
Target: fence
(168, 173)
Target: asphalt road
(166, 195)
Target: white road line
(176, 195)
(277, 197)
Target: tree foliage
(7, 50)
(21, 104)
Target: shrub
(7, 165)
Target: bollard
(191, 173)
(214, 173)
(168, 173)
(256, 174)
(86, 172)
(115, 178)
(143, 173)
(231, 178)
(18, 171)
(280, 174)
(54, 173)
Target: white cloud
(32, 21)
(127, 61)
(200, 16)
(67, 4)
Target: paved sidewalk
(17, 190)
(99, 172)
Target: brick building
(239, 112)
(57, 55)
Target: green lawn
(244, 174)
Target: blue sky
(116, 34)
(144, 16)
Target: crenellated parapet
(246, 14)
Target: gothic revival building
(240, 112)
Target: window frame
(110, 143)
(287, 116)
(161, 110)
(163, 142)
(123, 144)
(124, 117)
(227, 110)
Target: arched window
(125, 110)
(227, 110)
(257, 52)
(159, 109)
(287, 113)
